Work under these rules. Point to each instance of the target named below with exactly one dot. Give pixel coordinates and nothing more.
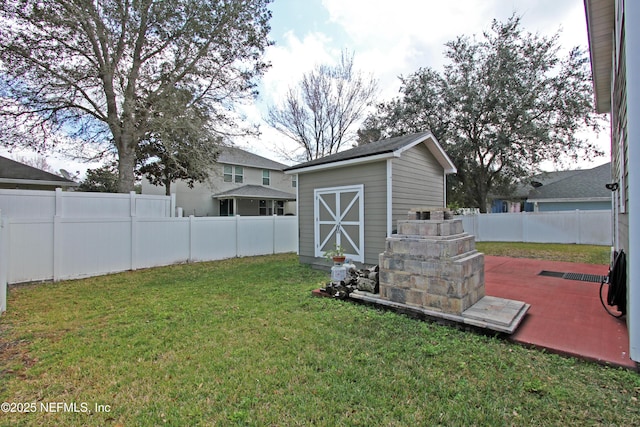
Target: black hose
(617, 281)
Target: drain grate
(582, 277)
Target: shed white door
(339, 220)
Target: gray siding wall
(373, 177)
(619, 148)
(418, 181)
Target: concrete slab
(493, 313)
(495, 310)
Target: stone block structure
(432, 263)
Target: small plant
(336, 252)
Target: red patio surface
(566, 316)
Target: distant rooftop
(237, 156)
(583, 184)
(15, 172)
(257, 192)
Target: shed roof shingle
(383, 146)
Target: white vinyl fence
(78, 204)
(69, 248)
(579, 227)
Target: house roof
(236, 156)
(12, 172)
(584, 185)
(545, 178)
(600, 27)
(383, 149)
(255, 192)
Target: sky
(389, 39)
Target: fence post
(57, 247)
(57, 231)
(578, 219)
(133, 229)
(237, 237)
(273, 235)
(191, 234)
(3, 265)
(476, 227)
(59, 202)
(172, 206)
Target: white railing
(77, 204)
(69, 248)
(579, 227)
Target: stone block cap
(429, 213)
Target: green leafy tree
(320, 113)
(96, 71)
(101, 180)
(179, 146)
(502, 105)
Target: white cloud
(291, 59)
(393, 38)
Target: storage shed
(355, 197)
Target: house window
(280, 207)
(294, 181)
(228, 173)
(239, 175)
(266, 177)
(263, 207)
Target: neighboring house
(355, 197)
(583, 190)
(16, 175)
(240, 183)
(517, 202)
(614, 38)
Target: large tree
(320, 113)
(179, 146)
(502, 105)
(100, 70)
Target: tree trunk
(126, 165)
(167, 186)
(482, 201)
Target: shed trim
(338, 221)
(343, 163)
(383, 153)
(389, 197)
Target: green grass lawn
(587, 254)
(243, 342)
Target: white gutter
(572, 199)
(343, 163)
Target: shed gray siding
(373, 177)
(417, 181)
